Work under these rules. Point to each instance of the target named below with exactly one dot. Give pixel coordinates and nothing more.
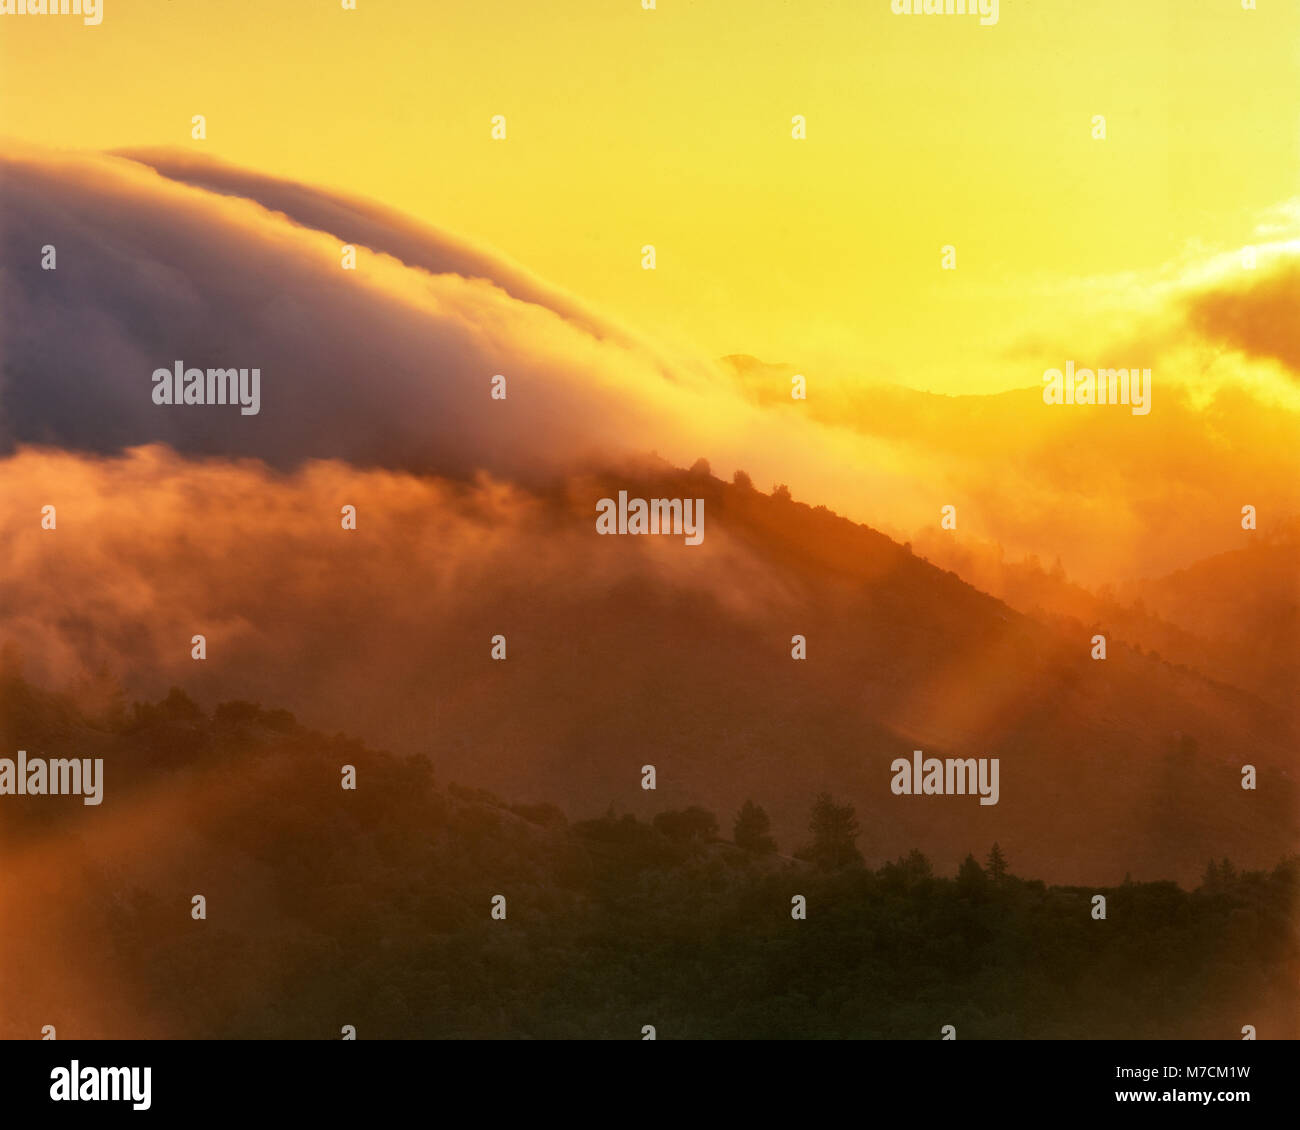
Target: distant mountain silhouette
(627, 651)
(1235, 616)
(901, 656)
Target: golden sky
(672, 127)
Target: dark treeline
(372, 908)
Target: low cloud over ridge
(163, 255)
(386, 365)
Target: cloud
(387, 365)
(390, 366)
(151, 548)
(380, 229)
(1256, 314)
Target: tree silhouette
(970, 876)
(916, 865)
(996, 864)
(1210, 880)
(909, 869)
(694, 823)
(751, 828)
(834, 830)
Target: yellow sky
(672, 127)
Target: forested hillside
(372, 907)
